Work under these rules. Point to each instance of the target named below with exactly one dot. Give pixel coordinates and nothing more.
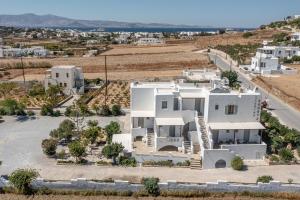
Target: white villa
(207, 122)
(264, 63)
(69, 77)
(295, 36)
(150, 41)
(280, 51)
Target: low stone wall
(118, 185)
(153, 157)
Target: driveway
(20, 140)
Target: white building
(150, 41)
(265, 63)
(202, 75)
(192, 118)
(295, 37)
(69, 77)
(36, 51)
(280, 51)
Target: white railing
(138, 132)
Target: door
(172, 131)
(246, 136)
(198, 106)
(215, 134)
(141, 122)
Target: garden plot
(118, 93)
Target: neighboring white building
(295, 36)
(192, 118)
(69, 77)
(265, 63)
(150, 41)
(280, 51)
(36, 51)
(202, 75)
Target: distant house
(264, 63)
(295, 37)
(150, 41)
(69, 77)
(280, 51)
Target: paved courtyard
(20, 142)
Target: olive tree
(21, 180)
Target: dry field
(72, 197)
(125, 63)
(235, 38)
(286, 87)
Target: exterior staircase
(187, 147)
(204, 136)
(196, 164)
(150, 139)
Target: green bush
(127, 162)
(237, 163)
(116, 110)
(105, 111)
(49, 147)
(247, 34)
(47, 110)
(64, 131)
(11, 107)
(286, 155)
(184, 164)
(264, 179)
(111, 129)
(274, 158)
(162, 163)
(61, 154)
(151, 186)
(30, 113)
(77, 150)
(232, 77)
(22, 178)
(112, 151)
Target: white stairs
(187, 147)
(150, 139)
(203, 132)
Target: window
(57, 75)
(60, 84)
(216, 107)
(65, 84)
(164, 105)
(227, 131)
(231, 110)
(67, 75)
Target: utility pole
(105, 65)
(23, 71)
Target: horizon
(196, 13)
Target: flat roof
(169, 121)
(64, 66)
(236, 125)
(142, 113)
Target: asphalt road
(286, 114)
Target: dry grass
(285, 87)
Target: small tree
(151, 186)
(105, 111)
(49, 147)
(77, 150)
(112, 151)
(232, 77)
(22, 178)
(237, 163)
(92, 123)
(286, 155)
(92, 133)
(116, 110)
(264, 179)
(111, 129)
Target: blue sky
(219, 13)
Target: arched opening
(169, 148)
(220, 164)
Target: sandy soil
(68, 197)
(286, 87)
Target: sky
(217, 13)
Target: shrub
(116, 110)
(92, 123)
(92, 133)
(247, 34)
(232, 77)
(237, 163)
(47, 110)
(151, 186)
(11, 107)
(184, 164)
(77, 150)
(127, 162)
(290, 181)
(264, 179)
(22, 178)
(286, 155)
(111, 129)
(30, 113)
(112, 151)
(64, 131)
(56, 113)
(105, 111)
(274, 158)
(49, 147)
(162, 163)
(61, 154)
(103, 163)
